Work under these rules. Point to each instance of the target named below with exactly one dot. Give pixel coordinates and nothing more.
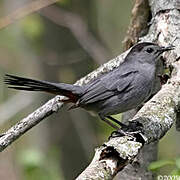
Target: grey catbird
(119, 90)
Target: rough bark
(138, 169)
(139, 23)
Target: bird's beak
(168, 48)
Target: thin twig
(31, 120)
(24, 11)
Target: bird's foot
(133, 126)
(133, 130)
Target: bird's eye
(149, 50)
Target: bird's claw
(132, 130)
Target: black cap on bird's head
(148, 51)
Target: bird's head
(147, 52)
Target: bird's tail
(71, 91)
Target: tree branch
(139, 23)
(27, 123)
(24, 11)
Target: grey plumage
(122, 89)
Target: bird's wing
(119, 81)
(108, 85)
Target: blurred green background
(63, 42)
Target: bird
(123, 88)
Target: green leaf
(159, 164)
